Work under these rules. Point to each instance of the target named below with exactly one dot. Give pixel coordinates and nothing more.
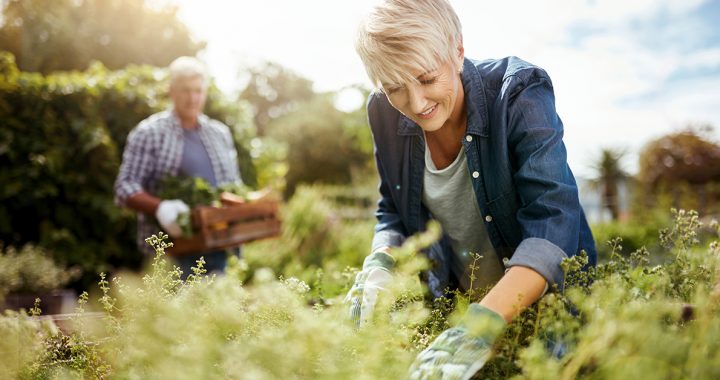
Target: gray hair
(187, 67)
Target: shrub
(320, 231)
(31, 270)
(632, 235)
(324, 145)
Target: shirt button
(468, 138)
(488, 218)
(476, 174)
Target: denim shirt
(526, 192)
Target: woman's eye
(428, 81)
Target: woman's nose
(416, 99)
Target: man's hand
(230, 199)
(167, 215)
(374, 277)
(459, 352)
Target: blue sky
(624, 72)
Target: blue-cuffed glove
(459, 352)
(374, 277)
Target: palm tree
(608, 175)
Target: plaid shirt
(154, 150)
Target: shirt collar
(408, 127)
(476, 105)
(177, 125)
(475, 100)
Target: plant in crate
(222, 217)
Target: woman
(476, 145)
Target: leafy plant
(193, 191)
(196, 191)
(31, 270)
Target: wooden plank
(231, 237)
(242, 233)
(207, 216)
(52, 302)
(67, 322)
(184, 246)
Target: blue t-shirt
(195, 159)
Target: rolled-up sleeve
(136, 167)
(550, 215)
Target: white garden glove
(459, 352)
(167, 215)
(374, 277)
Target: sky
(624, 72)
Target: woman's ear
(460, 52)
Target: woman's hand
(459, 352)
(373, 278)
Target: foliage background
(61, 140)
(62, 137)
(61, 35)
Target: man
(180, 141)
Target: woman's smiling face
(430, 101)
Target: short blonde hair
(187, 67)
(400, 36)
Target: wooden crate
(230, 226)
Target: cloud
(623, 72)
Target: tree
(682, 169)
(47, 36)
(608, 175)
(324, 144)
(687, 156)
(273, 91)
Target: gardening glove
(167, 215)
(374, 277)
(459, 352)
